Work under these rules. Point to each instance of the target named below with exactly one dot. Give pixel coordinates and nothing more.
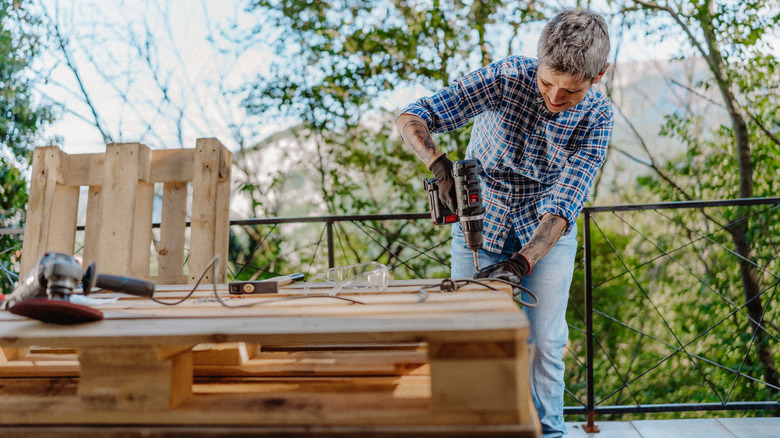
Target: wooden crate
(455, 364)
(118, 230)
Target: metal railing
(591, 399)
(330, 222)
(713, 233)
(686, 241)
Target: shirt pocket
(544, 158)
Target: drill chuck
(472, 231)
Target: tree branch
(61, 42)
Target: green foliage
(341, 61)
(686, 278)
(20, 119)
(667, 324)
(668, 320)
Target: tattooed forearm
(415, 133)
(550, 229)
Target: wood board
(455, 360)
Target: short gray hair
(575, 42)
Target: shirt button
(538, 131)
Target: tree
(164, 79)
(341, 62)
(20, 120)
(733, 39)
(148, 72)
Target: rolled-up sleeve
(452, 107)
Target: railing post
(590, 427)
(331, 255)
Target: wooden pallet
(454, 364)
(118, 232)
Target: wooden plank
(133, 378)
(283, 408)
(62, 222)
(92, 227)
(203, 297)
(25, 368)
(203, 222)
(120, 183)
(225, 162)
(204, 306)
(387, 306)
(288, 431)
(173, 221)
(222, 223)
(182, 377)
(84, 170)
(339, 309)
(8, 354)
(225, 360)
(28, 387)
(142, 230)
(234, 353)
(142, 218)
(398, 387)
(324, 364)
(46, 173)
(491, 376)
(144, 163)
(476, 327)
(172, 165)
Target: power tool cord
(450, 285)
(213, 266)
(446, 285)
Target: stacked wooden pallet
(373, 363)
(193, 185)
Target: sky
(177, 63)
(174, 63)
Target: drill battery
(440, 214)
(467, 193)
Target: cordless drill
(470, 212)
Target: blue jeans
(549, 280)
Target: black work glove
(512, 269)
(442, 170)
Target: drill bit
(476, 260)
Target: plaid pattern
(534, 162)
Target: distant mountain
(643, 95)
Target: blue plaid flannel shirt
(534, 162)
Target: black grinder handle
(127, 285)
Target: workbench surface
(449, 359)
